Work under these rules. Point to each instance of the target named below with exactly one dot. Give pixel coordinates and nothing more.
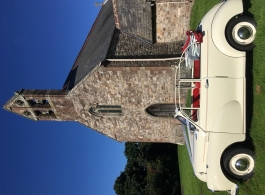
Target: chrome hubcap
(244, 32)
(242, 164)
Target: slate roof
(135, 18)
(95, 48)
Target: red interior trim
(195, 103)
(186, 44)
(196, 70)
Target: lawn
(255, 106)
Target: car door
(224, 100)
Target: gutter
(144, 60)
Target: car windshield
(188, 77)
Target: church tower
(41, 105)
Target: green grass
(255, 106)
(189, 183)
(199, 9)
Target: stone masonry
(56, 101)
(134, 89)
(161, 20)
(172, 20)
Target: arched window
(19, 102)
(39, 103)
(106, 110)
(44, 114)
(27, 113)
(161, 110)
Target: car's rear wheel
(240, 33)
(239, 163)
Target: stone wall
(134, 88)
(154, 21)
(172, 20)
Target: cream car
(214, 125)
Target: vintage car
(214, 124)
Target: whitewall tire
(240, 33)
(239, 163)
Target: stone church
(122, 82)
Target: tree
(151, 168)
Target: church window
(19, 102)
(161, 110)
(39, 103)
(26, 113)
(43, 112)
(106, 110)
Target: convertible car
(214, 123)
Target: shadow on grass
(249, 84)
(249, 98)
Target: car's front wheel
(240, 33)
(239, 163)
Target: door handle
(207, 83)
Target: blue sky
(39, 43)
